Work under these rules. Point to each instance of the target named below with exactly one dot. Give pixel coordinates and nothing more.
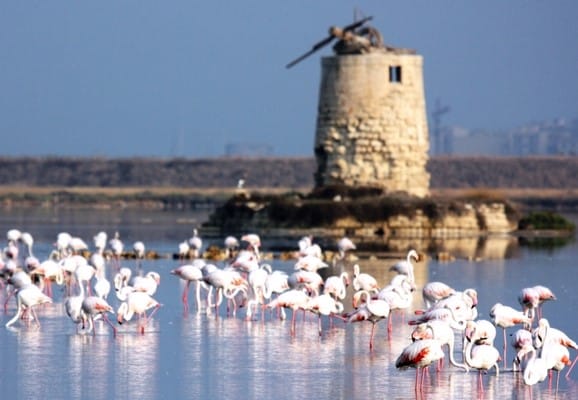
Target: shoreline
(175, 198)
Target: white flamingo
(27, 298)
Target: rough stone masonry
(372, 122)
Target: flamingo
(480, 332)
(28, 240)
(520, 339)
(117, 247)
(309, 280)
(139, 253)
(184, 250)
(16, 281)
(433, 292)
(27, 297)
(49, 270)
(293, 299)
(310, 263)
(77, 245)
(372, 310)
(62, 244)
(544, 332)
(398, 294)
(122, 278)
(308, 248)
(231, 245)
(529, 299)
(441, 331)
(195, 244)
(253, 243)
(420, 355)
(73, 308)
(102, 285)
(544, 294)
(191, 273)
(405, 267)
(534, 368)
(136, 303)
(482, 357)
(99, 241)
(437, 313)
(147, 283)
(226, 282)
(364, 281)
(324, 304)
(257, 282)
(13, 235)
(93, 306)
(337, 286)
(463, 304)
(344, 245)
(507, 317)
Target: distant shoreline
(173, 198)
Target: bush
(545, 220)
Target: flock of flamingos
(449, 318)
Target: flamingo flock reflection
(448, 324)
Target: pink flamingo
(506, 317)
(364, 281)
(137, 303)
(480, 356)
(433, 292)
(405, 267)
(294, 299)
(28, 297)
(420, 355)
(190, 273)
(93, 306)
(534, 368)
(441, 331)
(544, 332)
(372, 310)
(337, 286)
(529, 299)
(324, 304)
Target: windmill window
(395, 74)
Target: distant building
(558, 137)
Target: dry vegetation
(184, 183)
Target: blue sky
(144, 78)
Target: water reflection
(136, 365)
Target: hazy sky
(125, 78)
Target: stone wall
(372, 131)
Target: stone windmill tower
(371, 120)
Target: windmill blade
(357, 24)
(315, 47)
(327, 40)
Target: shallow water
(196, 355)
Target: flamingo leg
(198, 296)
(109, 323)
(185, 297)
(371, 337)
(505, 347)
(10, 294)
(293, 322)
(480, 381)
(571, 366)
